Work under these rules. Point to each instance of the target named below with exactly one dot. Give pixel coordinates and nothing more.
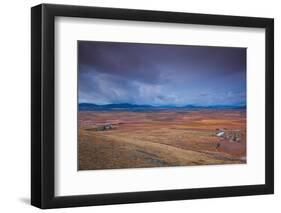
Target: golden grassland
(159, 138)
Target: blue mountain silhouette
(91, 106)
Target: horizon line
(169, 105)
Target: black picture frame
(43, 102)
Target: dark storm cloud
(160, 74)
(118, 59)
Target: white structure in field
(220, 134)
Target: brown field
(126, 139)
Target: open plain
(115, 139)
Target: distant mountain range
(127, 106)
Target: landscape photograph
(146, 105)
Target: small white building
(220, 134)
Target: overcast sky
(111, 72)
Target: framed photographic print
(139, 106)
